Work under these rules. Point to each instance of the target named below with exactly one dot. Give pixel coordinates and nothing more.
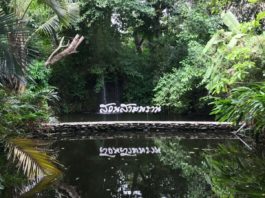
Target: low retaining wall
(84, 129)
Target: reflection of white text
(133, 151)
(111, 108)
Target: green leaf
(231, 21)
(253, 1)
(261, 16)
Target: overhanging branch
(70, 48)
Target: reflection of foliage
(39, 167)
(175, 157)
(145, 173)
(148, 176)
(9, 177)
(235, 172)
(34, 163)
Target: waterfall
(104, 94)
(117, 92)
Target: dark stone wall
(85, 129)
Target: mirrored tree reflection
(139, 176)
(38, 163)
(177, 171)
(234, 171)
(188, 163)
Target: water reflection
(179, 169)
(188, 162)
(176, 172)
(234, 171)
(131, 151)
(31, 157)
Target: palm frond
(36, 186)
(13, 52)
(34, 163)
(20, 7)
(13, 82)
(6, 20)
(73, 10)
(62, 9)
(17, 44)
(53, 25)
(13, 61)
(50, 27)
(39, 167)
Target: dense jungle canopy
(182, 55)
(187, 56)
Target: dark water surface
(174, 170)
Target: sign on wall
(112, 108)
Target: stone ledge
(72, 129)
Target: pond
(163, 167)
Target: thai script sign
(111, 108)
(133, 151)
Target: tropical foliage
(236, 57)
(24, 112)
(182, 87)
(244, 104)
(129, 46)
(13, 53)
(24, 90)
(235, 172)
(235, 76)
(169, 53)
(15, 36)
(25, 107)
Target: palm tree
(14, 59)
(12, 52)
(14, 37)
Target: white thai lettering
(147, 109)
(111, 108)
(131, 151)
